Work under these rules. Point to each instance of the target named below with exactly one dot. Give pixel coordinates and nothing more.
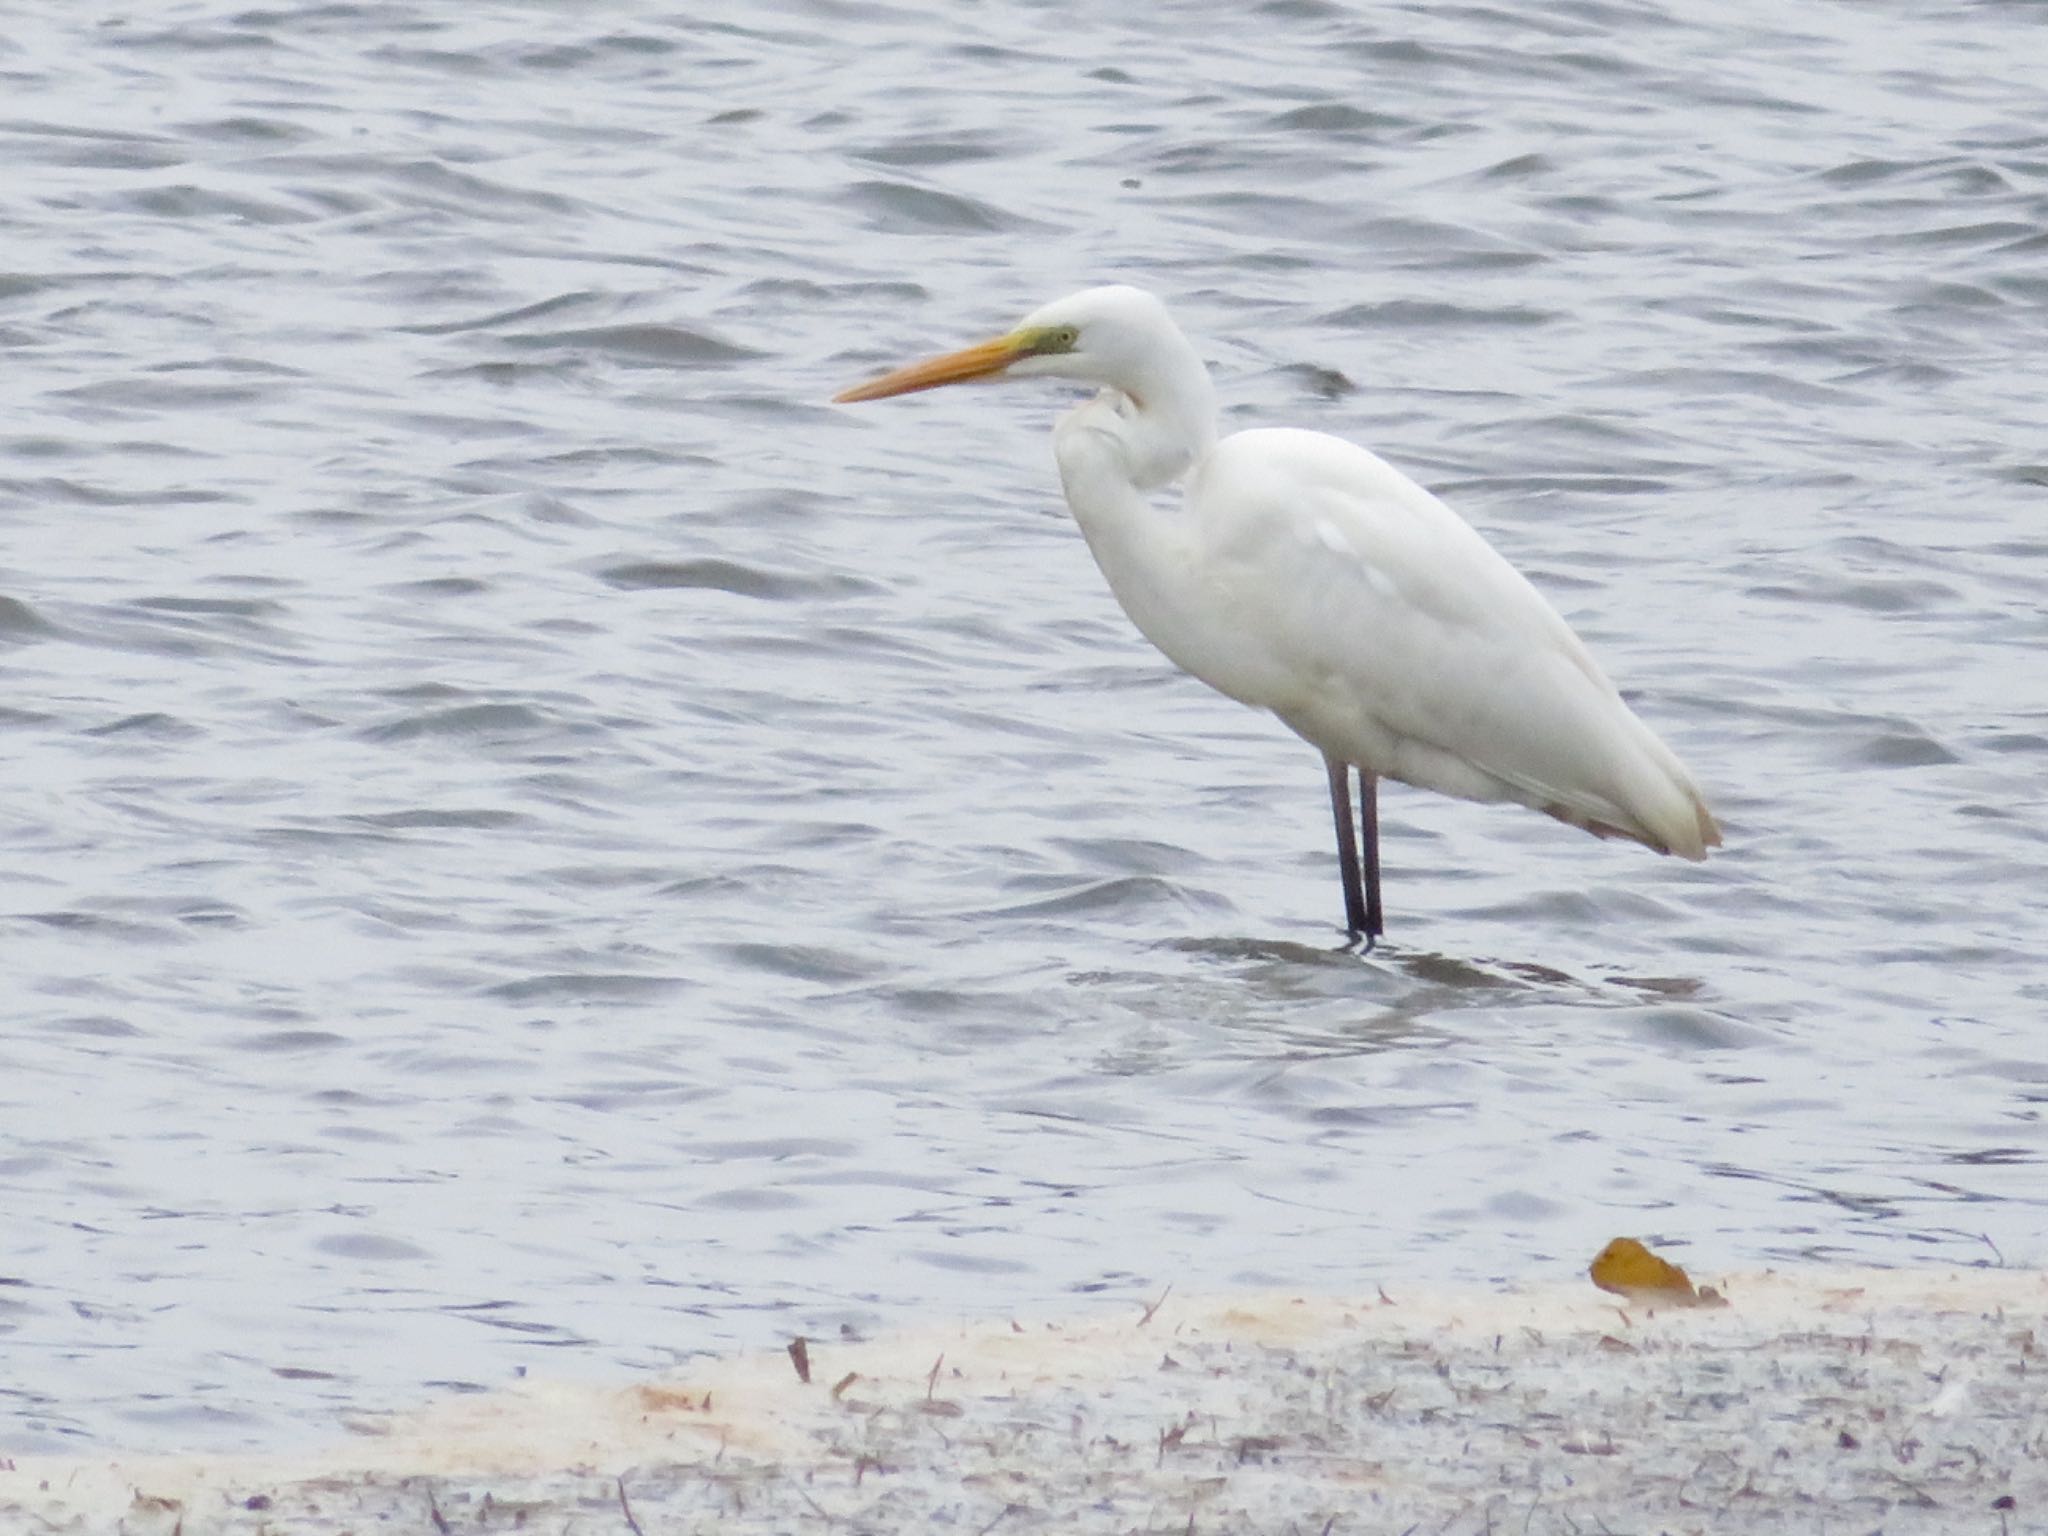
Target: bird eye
(1058, 338)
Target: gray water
(532, 842)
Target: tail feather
(1662, 800)
(1704, 833)
(1710, 830)
(1675, 820)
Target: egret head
(1111, 336)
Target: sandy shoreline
(1820, 1400)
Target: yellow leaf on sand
(1629, 1269)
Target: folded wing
(1405, 644)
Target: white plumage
(1303, 575)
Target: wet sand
(1823, 1400)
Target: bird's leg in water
(1369, 823)
(1355, 918)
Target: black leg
(1347, 846)
(1369, 819)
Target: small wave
(580, 299)
(729, 576)
(291, 1042)
(1908, 746)
(51, 488)
(370, 1247)
(587, 987)
(1988, 232)
(233, 607)
(1430, 314)
(90, 148)
(938, 149)
(1337, 119)
(670, 344)
(426, 817)
(106, 925)
(152, 725)
(803, 962)
(467, 720)
(194, 202)
(1127, 895)
(21, 624)
(899, 207)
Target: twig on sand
(627, 1509)
(434, 1509)
(1915, 1494)
(931, 1382)
(1001, 1515)
(800, 1493)
(800, 1357)
(1170, 1439)
(1155, 1306)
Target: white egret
(1304, 575)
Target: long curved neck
(1112, 452)
(1167, 412)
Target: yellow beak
(976, 362)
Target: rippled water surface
(533, 842)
